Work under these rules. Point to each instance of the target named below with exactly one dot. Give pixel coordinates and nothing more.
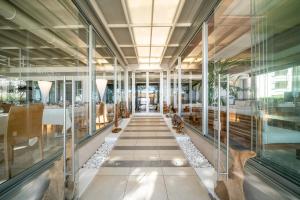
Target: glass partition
(103, 84)
(192, 83)
(42, 57)
(277, 78)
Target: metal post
(174, 89)
(179, 86)
(126, 87)
(168, 87)
(219, 125)
(133, 93)
(204, 78)
(90, 64)
(161, 92)
(227, 127)
(147, 91)
(64, 130)
(115, 81)
(73, 129)
(191, 92)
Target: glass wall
(45, 74)
(103, 82)
(154, 89)
(42, 57)
(191, 97)
(277, 78)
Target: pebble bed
(100, 156)
(195, 158)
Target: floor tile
(185, 187)
(179, 171)
(114, 171)
(106, 187)
(146, 171)
(145, 188)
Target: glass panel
(140, 89)
(277, 78)
(154, 86)
(230, 100)
(192, 83)
(36, 51)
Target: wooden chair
(5, 106)
(24, 122)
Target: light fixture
(164, 11)
(142, 35)
(101, 86)
(45, 87)
(156, 51)
(159, 35)
(143, 51)
(140, 11)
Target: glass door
(141, 92)
(231, 113)
(154, 88)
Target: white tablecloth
(54, 116)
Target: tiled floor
(145, 164)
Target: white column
(204, 78)
(179, 86)
(161, 92)
(191, 91)
(119, 85)
(175, 89)
(168, 92)
(55, 91)
(126, 87)
(147, 91)
(133, 93)
(115, 81)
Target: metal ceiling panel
(122, 36)
(170, 51)
(189, 11)
(178, 34)
(132, 60)
(128, 51)
(112, 11)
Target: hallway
(146, 163)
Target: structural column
(161, 93)
(147, 92)
(126, 87)
(90, 65)
(191, 92)
(179, 86)
(115, 81)
(133, 92)
(174, 89)
(204, 78)
(168, 92)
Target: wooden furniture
(5, 107)
(232, 189)
(116, 129)
(24, 122)
(177, 123)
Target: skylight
(151, 31)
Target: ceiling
(147, 33)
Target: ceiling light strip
(178, 12)
(152, 10)
(128, 21)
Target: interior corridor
(146, 163)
